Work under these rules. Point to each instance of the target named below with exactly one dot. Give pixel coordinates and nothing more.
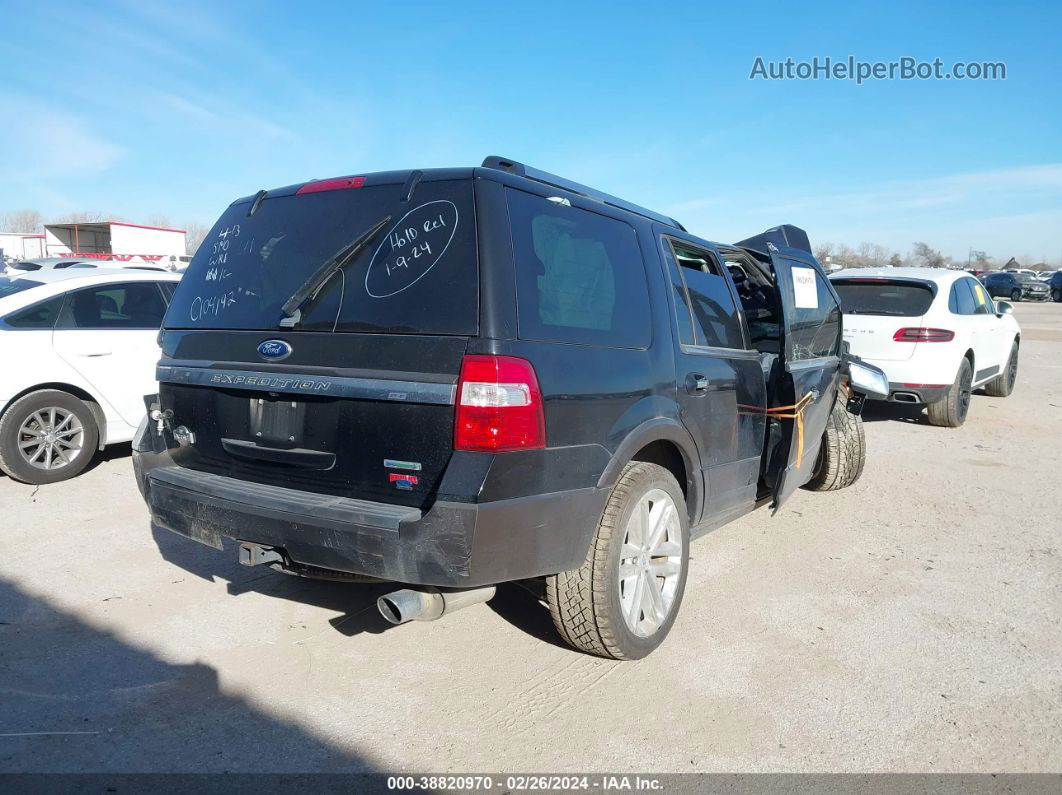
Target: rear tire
(1003, 384)
(606, 607)
(951, 411)
(843, 452)
(66, 431)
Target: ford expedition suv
(455, 378)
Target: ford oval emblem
(274, 350)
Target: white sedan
(79, 355)
(936, 333)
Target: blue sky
(141, 108)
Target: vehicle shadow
(79, 699)
(110, 453)
(881, 411)
(356, 602)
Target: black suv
(454, 378)
(1016, 286)
(1054, 284)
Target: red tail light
(322, 185)
(499, 406)
(923, 335)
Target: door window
(114, 306)
(38, 316)
(711, 303)
(961, 299)
(579, 275)
(815, 328)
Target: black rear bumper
(455, 544)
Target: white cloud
(44, 143)
(1013, 209)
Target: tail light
(323, 185)
(499, 406)
(923, 335)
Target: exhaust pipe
(398, 607)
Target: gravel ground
(910, 623)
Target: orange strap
(794, 412)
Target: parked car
(454, 378)
(48, 263)
(937, 335)
(1016, 286)
(1054, 284)
(79, 354)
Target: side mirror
(1003, 308)
(868, 379)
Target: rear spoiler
(785, 236)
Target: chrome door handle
(96, 355)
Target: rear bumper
(453, 544)
(919, 393)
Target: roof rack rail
(513, 167)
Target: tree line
(921, 254)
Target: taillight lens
(923, 335)
(499, 406)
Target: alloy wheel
(650, 565)
(965, 392)
(50, 438)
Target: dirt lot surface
(910, 623)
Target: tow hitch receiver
(256, 555)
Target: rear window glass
(419, 275)
(12, 286)
(580, 276)
(883, 297)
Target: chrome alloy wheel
(650, 565)
(50, 438)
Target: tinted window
(961, 300)
(128, 306)
(419, 275)
(580, 276)
(26, 266)
(38, 316)
(683, 312)
(715, 318)
(167, 289)
(815, 328)
(983, 304)
(883, 297)
(12, 286)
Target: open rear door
(804, 391)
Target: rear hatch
(876, 308)
(349, 392)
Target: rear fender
(653, 430)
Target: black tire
(950, 412)
(1056, 295)
(843, 452)
(1003, 384)
(1015, 295)
(586, 603)
(22, 411)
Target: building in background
(116, 241)
(17, 245)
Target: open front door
(807, 381)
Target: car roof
(93, 275)
(942, 276)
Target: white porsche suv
(936, 333)
(79, 353)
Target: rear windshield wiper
(292, 308)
